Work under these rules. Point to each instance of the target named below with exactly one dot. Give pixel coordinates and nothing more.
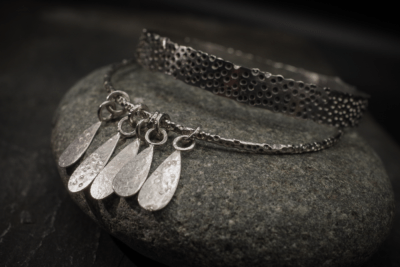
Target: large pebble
(329, 208)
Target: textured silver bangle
(340, 107)
(337, 107)
(128, 172)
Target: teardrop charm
(159, 189)
(76, 149)
(131, 177)
(92, 165)
(102, 185)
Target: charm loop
(116, 113)
(152, 119)
(179, 138)
(108, 105)
(192, 136)
(116, 94)
(163, 141)
(122, 132)
(157, 119)
(139, 125)
(154, 122)
(112, 97)
(138, 111)
(162, 117)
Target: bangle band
(262, 148)
(340, 106)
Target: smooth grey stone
(329, 208)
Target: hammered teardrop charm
(102, 185)
(76, 149)
(131, 177)
(159, 189)
(92, 165)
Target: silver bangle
(128, 174)
(257, 88)
(337, 106)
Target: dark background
(46, 47)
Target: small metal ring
(185, 137)
(152, 120)
(132, 115)
(156, 119)
(106, 104)
(138, 112)
(192, 135)
(138, 126)
(163, 141)
(112, 97)
(157, 122)
(116, 113)
(122, 132)
(153, 117)
(115, 94)
(132, 119)
(162, 117)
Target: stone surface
(330, 208)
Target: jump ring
(106, 104)
(192, 135)
(115, 94)
(138, 126)
(163, 141)
(129, 134)
(176, 140)
(157, 123)
(115, 113)
(160, 119)
(138, 111)
(111, 97)
(152, 118)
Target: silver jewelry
(92, 165)
(132, 176)
(160, 187)
(76, 149)
(127, 173)
(257, 88)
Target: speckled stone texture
(330, 208)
